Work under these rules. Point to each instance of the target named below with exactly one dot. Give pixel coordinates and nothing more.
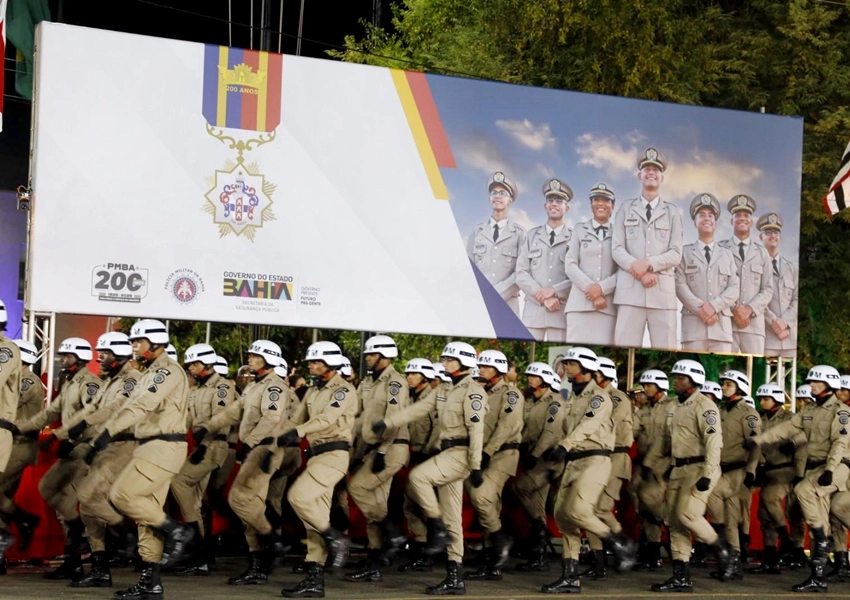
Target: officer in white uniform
(780, 332)
(540, 270)
(494, 245)
(706, 283)
(590, 313)
(647, 246)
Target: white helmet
(771, 390)
(712, 388)
(76, 346)
(543, 371)
(608, 369)
(583, 356)
(326, 352)
(825, 373)
(381, 344)
(346, 369)
(422, 366)
(495, 359)
(221, 366)
(462, 352)
(692, 369)
(475, 373)
(281, 372)
(741, 380)
(268, 350)
(4, 316)
(29, 353)
(556, 383)
(116, 342)
(171, 351)
(659, 378)
(845, 382)
(202, 353)
(150, 329)
(804, 391)
(440, 371)
(748, 400)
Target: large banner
(183, 181)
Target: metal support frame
(40, 329)
(783, 371)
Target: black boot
(371, 570)
(819, 547)
(798, 559)
(26, 524)
(121, 545)
(438, 537)
(652, 558)
(486, 572)
(501, 549)
(312, 586)
(71, 568)
(452, 585)
(732, 571)
(722, 554)
(568, 583)
(394, 539)
(770, 564)
(815, 582)
(197, 562)
(625, 551)
(6, 541)
(178, 536)
(338, 546)
(537, 561)
(841, 571)
(745, 546)
(599, 570)
(3, 565)
(99, 576)
(254, 574)
(679, 582)
(76, 535)
(149, 586)
(698, 558)
(275, 551)
(418, 561)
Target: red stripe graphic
(249, 95)
(275, 79)
(431, 119)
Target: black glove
(788, 448)
(198, 434)
(242, 453)
(65, 449)
(485, 460)
(825, 479)
(89, 456)
(77, 430)
(379, 427)
(45, 444)
(266, 463)
(528, 461)
(102, 441)
(749, 480)
(760, 472)
(667, 473)
(749, 444)
(797, 479)
(379, 463)
(556, 454)
(703, 483)
(477, 478)
(645, 472)
(198, 454)
(289, 437)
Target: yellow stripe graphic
(221, 113)
(262, 97)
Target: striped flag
(839, 192)
(2, 54)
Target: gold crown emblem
(602, 186)
(742, 201)
(652, 154)
(499, 177)
(706, 199)
(772, 219)
(243, 75)
(555, 185)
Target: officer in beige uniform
(780, 332)
(825, 427)
(499, 458)
(494, 245)
(839, 511)
(756, 274)
(738, 467)
(437, 484)
(79, 392)
(327, 421)
(586, 445)
(692, 442)
(706, 283)
(156, 412)
(647, 246)
(589, 264)
(540, 269)
(10, 389)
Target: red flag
(839, 192)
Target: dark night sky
(326, 23)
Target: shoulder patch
(752, 421)
(158, 378)
(221, 393)
(273, 396)
(553, 408)
(596, 401)
(393, 400)
(152, 389)
(475, 418)
(339, 395)
(92, 389)
(129, 384)
(711, 430)
(476, 397)
(272, 405)
(476, 405)
(844, 413)
(709, 412)
(395, 388)
(513, 398)
(25, 384)
(344, 391)
(165, 372)
(509, 409)
(843, 419)
(221, 403)
(275, 389)
(711, 420)
(336, 404)
(5, 355)
(224, 386)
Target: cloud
(480, 152)
(534, 137)
(608, 153)
(521, 218)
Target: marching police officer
(540, 268)
(589, 264)
(706, 283)
(494, 245)
(647, 246)
(780, 316)
(756, 275)
(10, 389)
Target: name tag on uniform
(441, 398)
(480, 249)
(632, 221)
(691, 268)
(535, 253)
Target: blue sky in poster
(533, 134)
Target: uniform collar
(654, 204)
(502, 224)
(557, 230)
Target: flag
(21, 18)
(3, 54)
(839, 192)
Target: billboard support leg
(630, 369)
(209, 331)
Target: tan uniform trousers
(605, 509)
(93, 492)
(632, 320)
(220, 476)
(815, 499)
(141, 489)
(532, 488)
(651, 496)
(590, 327)
(685, 508)
(839, 531)
(445, 471)
(487, 499)
(248, 494)
(59, 485)
(724, 505)
(776, 488)
(371, 491)
(24, 454)
(310, 497)
(549, 334)
(6, 443)
(277, 485)
(413, 515)
(840, 519)
(575, 509)
(190, 484)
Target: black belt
(165, 437)
(508, 446)
(127, 437)
(266, 441)
(399, 441)
(814, 464)
(732, 466)
(779, 466)
(293, 445)
(621, 449)
(578, 455)
(446, 444)
(220, 437)
(691, 460)
(31, 435)
(9, 426)
(327, 447)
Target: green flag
(21, 18)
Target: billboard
(187, 181)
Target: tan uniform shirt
(659, 426)
(497, 260)
(10, 378)
(536, 414)
(503, 423)
(382, 398)
(260, 411)
(642, 430)
(80, 393)
(328, 413)
(31, 400)
(623, 417)
(696, 430)
(783, 305)
(771, 453)
(716, 283)
(740, 422)
(756, 275)
(421, 429)
(588, 419)
(541, 265)
(116, 392)
(590, 260)
(209, 399)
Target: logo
(119, 282)
(240, 201)
(185, 285)
(259, 292)
(499, 177)
(652, 154)
(555, 184)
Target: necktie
(741, 250)
(648, 213)
(603, 230)
(707, 255)
(496, 232)
(552, 239)
(775, 268)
